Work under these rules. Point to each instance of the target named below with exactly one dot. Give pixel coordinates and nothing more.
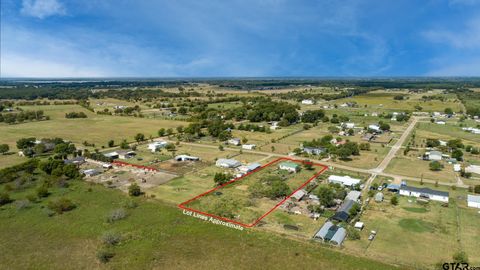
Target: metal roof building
(339, 236)
(323, 231)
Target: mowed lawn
(418, 235)
(154, 235)
(98, 129)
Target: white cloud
(467, 38)
(42, 8)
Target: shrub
(104, 256)
(394, 200)
(134, 190)
(42, 192)
(117, 214)
(460, 257)
(111, 238)
(130, 204)
(5, 198)
(61, 205)
(22, 204)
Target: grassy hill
(153, 235)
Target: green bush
(105, 256)
(61, 205)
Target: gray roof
(353, 195)
(299, 194)
(324, 230)
(425, 191)
(435, 153)
(339, 236)
(346, 206)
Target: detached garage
(473, 201)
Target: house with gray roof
(227, 163)
(426, 193)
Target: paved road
(393, 151)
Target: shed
(227, 163)
(323, 231)
(339, 236)
(379, 197)
(299, 194)
(343, 180)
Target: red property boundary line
(121, 163)
(182, 205)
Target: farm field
(97, 129)
(446, 132)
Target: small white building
(186, 158)
(155, 146)
(227, 163)
(425, 193)
(434, 155)
(348, 125)
(249, 146)
(375, 128)
(440, 122)
(343, 180)
(457, 167)
(359, 225)
(234, 141)
(308, 102)
(473, 201)
(473, 169)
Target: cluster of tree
(75, 115)
(312, 116)
(222, 178)
(30, 147)
(470, 149)
(338, 119)
(128, 110)
(4, 148)
(328, 193)
(265, 109)
(343, 151)
(96, 156)
(57, 167)
(270, 186)
(252, 127)
(399, 97)
(401, 117)
(12, 118)
(435, 166)
(5, 105)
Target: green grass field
(154, 235)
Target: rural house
(155, 146)
(433, 155)
(343, 180)
(186, 158)
(234, 141)
(250, 167)
(425, 193)
(313, 150)
(249, 146)
(289, 166)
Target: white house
(155, 146)
(473, 201)
(249, 146)
(375, 128)
(234, 141)
(348, 125)
(343, 180)
(289, 166)
(434, 155)
(125, 154)
(308, 102)
(227, 163)
(186, 158)
(473, 169)
(425, 193)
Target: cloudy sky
(185, 38)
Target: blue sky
(185, 38)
